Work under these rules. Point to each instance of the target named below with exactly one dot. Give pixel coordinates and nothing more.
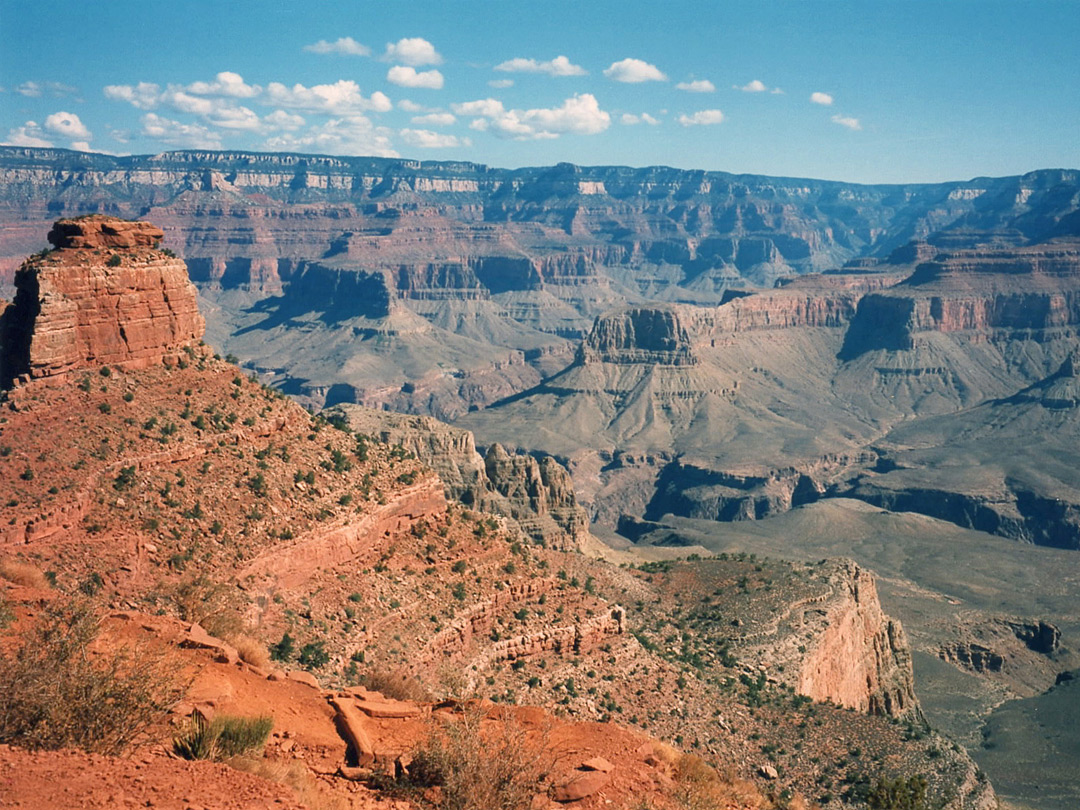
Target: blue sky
(864, 91)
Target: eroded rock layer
(105, 295)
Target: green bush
(898, 794)
(223, 737)
(114, 260)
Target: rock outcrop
(105, 295)
(861, 657)
(640, 335)
(536, 493)
(1028, 289)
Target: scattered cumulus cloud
(67, 125)
(343, 46)
(501, 84)
(629, 119)
(487, 108)
(821, 98)
(559, 66)
(225, 83)
(143, 96)
(697, 86)
(410, 106)
(701, 118)
(81, 146)
(404, 76)
(54, 89)
(753, 86)
(438, 119)
(341, 98)
(175, 133)
(349, 135)
(414, 51)
(634, 71)
(426, 139)
(579, 115)
(29, 134)
(847, 121)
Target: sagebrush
(58, 693)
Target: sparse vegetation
(57, 694)
(223, 737)
(480, 764)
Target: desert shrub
(898, 794)
(217, 607)
(58, 693)
(7, 614)
(480, 765)
(22, 574)
(283, 650)
(397, 685)
(251, 650)
(313, 655)
(223, 737)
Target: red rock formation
(85, 304)
(861, 658)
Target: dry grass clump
(294, 775)
(397, 685)
(223, 737)
(57, 693)
(21, 573)
(250, 650)
(699, 787)
(480, 764)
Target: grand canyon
(700, 489)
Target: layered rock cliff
(646, 336)
(537, 494)
(1028, 288)
(105, 295)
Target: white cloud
(29, 134)
(559, 66)
(821, 98)
(413, 51)
(754, 86)
(343, 46)
(55, 89)
(701, 118)
(443, 119)
(488, 108)
(350, 135)
(81, 146)
(698, 86)
(144, 95)
(846, 121)
(629, 119)
(409, 77)
(501, 84)
(634, 71)
(279, 119)
(426, 139)
(341, 98)
(174, 133)
(776, 91)
(226, 83)
(580, 115)
(67, 125)
(410, 106)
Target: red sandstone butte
(104, 295)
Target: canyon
(666, 361)
(184, 492)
